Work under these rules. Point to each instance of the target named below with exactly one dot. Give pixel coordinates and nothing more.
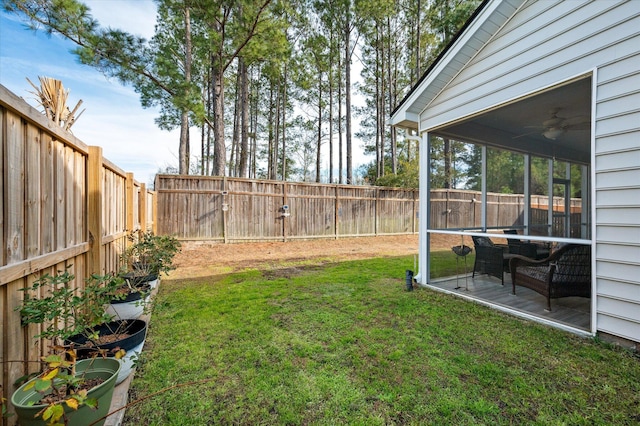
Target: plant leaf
(92, 402)
(51, 374)
(53, 413)
(42, 385)
(53, 360)
(72, 403)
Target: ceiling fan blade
(577, 120)
(579, 126)
(526, 134)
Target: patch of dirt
(202, 259)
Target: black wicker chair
(489, 258)
(567, 272)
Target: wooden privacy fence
(202, 208)
(462, 209)
(234, 209)
(63, 206)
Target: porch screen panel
(505, 189)
(455, 184)
(539, 197)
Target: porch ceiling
(519, 126)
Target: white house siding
(544, 43)
(617, 167)
(548, 42)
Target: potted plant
(148, 256)
(67, 392)
(129, 301)
(77, 317)
(67, 386)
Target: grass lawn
(345, 343)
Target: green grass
(345, 343)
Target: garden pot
(105, 368)
(131, 307)
(132, 344)
(140, 280)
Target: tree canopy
(267, 87)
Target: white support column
(483, 197)
(425, 190)
(526, 221)
(567, 201)
(550, 199)
(585, 211)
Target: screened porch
(513, 182)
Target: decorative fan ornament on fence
(53, 98)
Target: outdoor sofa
(565, 273)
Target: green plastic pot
(106, 368)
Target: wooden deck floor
(574, 312)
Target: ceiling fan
(555, 126)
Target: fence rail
(63, 206)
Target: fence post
(337, 210)
(225, 210)
(128, 204)
(142, 206)
(154, 212)
(95, 262)
(375, 212)
(283, 217)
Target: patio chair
(524, 248)
(566, 273)
(489, 258)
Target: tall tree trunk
(183, 151)
(340, 164)
(244, 118)
(284, 124)
(394, 147)
(276, 136)
(347, 90)
(219, 148)
(377, 96)
(331, 108)
(254, 126)
(235, 139)
(319, 142)
(447, 163)
(209, 111)
(203, 135)
(382, 83)
(273, 114)
(418, 67)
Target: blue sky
(113, 118)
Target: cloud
(135, 17)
